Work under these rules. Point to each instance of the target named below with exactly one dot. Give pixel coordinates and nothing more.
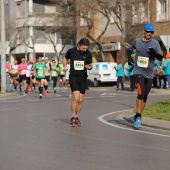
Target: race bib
(78, 65)
(143, 62)
(40, 73)
(23, 72)
(54, 73)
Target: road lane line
(101, 119)
(9, 109)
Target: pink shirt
(23, 68)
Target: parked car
(102, 72)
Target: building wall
(42, 46)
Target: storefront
(110, 51)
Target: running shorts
(22, 78)
(47, 78)
(28, 80)
(39, 79)
(144, 85)
(78, 83)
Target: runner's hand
(65, 69)
(89, 66)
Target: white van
(102, 72)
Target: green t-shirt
(40, 72)
(61, 67)
(54, 73)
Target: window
(113, 18)
(84, 19)
(50, 9)
(161, 10)
(140, 12)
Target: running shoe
(137, 122)
(45, 93)
(61, 90)
(30, 89)
(116, 88)
(40, 96)
(26, 90)
(78, 123)
(64, 90)
(55, 91)
(73, 122)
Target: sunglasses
(149, 32)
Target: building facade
(33, 30)
(136, 13)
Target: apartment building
(135, 16)
(29, 23)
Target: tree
(87, 10)
(62, 22)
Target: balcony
(44, 1)
(44, 20)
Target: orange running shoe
(30, 89)
(45, 93)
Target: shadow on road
(124, 123)
(66, 121)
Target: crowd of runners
(70, 73)
(27, 76)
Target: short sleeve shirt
(78, 61)
(40, 72)
(23, 68)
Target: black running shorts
(22, 78)
(47, 78)
(28, 80)
(144, 85)
(78, 83)
(39, 79)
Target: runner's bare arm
(65, 64)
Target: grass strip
(160, 110)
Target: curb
(8, 94)
(148, 122)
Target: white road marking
(10, 101)
(9, 109)
(101, 119)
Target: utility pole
(25, 30)
(3, 55)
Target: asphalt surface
(35, 134)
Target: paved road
(35, 134)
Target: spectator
(8, 68)
(119, 74)
(130, 72)
(166, 68)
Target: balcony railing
(58, 41)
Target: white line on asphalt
(101, 119)
(9, 109)
(14, 101)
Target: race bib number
(143, 62)
(40, 73)
(78, 65)
(54, 74)
(23, 72)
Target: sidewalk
(7, 94)
(154, 123)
